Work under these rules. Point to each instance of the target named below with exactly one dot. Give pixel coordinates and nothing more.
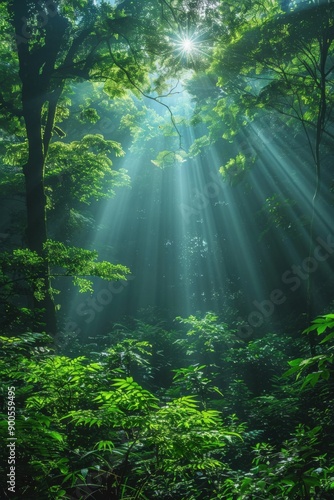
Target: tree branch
(156, 99)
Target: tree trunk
(36, 202)
(37, 63)
(324, 45)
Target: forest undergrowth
(189, 413)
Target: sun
(187, 45)
(190, 46)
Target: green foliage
(26, 344)
(275, 208)
(192, 379)
(80, 264)
(321, 324)
(276, 213)
(207, 331)
(89, 114)
(21, 274)
(167, 159)
(266, 62)
(320, 367)
(235, 169)
(129, 353)
(20, 270)
(24, 267)
(84, 167)
(87, 425)
(61, 404)
(297, 471)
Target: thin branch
(306, 132)
(156, 99)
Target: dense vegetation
(144, 417)
(202, 366)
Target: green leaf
(56, 435)
(104, 445)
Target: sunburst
(187, 46)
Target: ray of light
(194, 243)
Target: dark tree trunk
(324, 45)
(34, 178)
(36, 203)
(37, 64)
(40, 94)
